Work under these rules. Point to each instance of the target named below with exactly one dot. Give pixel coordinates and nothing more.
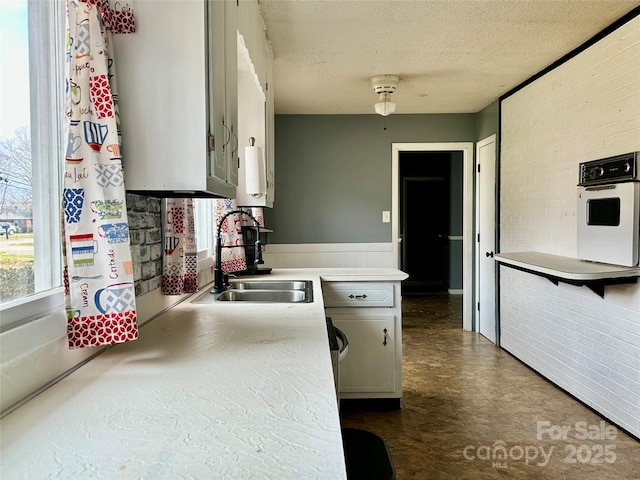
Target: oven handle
(601, 187)
(345, 344)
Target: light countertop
(565, 267)
(208, 391)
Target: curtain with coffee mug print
(233, 257)
(98, 274)
(180, 259)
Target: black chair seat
(366, 456)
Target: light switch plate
(386, 216)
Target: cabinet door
(217, 80)
(270, 141)
(231, 90)
(370, 362)
(162, 82)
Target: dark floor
(465, 401)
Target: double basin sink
(263, 291)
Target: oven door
(608, 223)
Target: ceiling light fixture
(385, 85)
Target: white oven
(609, 211)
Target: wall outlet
(386, 216)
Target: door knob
(489, 254)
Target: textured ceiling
(452, 56)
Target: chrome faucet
(220, 280)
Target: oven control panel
(621, 168)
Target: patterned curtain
(98, 273)
(180, 259)
(233, 259)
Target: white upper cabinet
(223, 75)
(255, 108)
(178, 99)
(231, 143)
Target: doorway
(466, 150)
(426, 186)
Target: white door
(486, 238)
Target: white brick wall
(586, 345)
(585, 109)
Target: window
(32, 69)
(204, 212)
(205, 225)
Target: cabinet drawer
(357, 294)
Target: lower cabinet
(369, 313)
(369, 366)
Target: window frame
(47, 72)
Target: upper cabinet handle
(226, 142)
(237, 142)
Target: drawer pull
(364, 295)
(384, 341)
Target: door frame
(467, 149)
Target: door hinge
(478, 168)
(478, 240)
(211, 142)
(478, 306)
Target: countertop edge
(565, 267)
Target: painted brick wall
(587, 108)
(145, 229)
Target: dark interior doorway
(426, 219)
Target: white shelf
(557, 268)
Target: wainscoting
(329, 255)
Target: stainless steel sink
(272, 285)
(264, 296)
(262, 291)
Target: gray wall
(456, 221)
(488, 121)
(333, 172)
